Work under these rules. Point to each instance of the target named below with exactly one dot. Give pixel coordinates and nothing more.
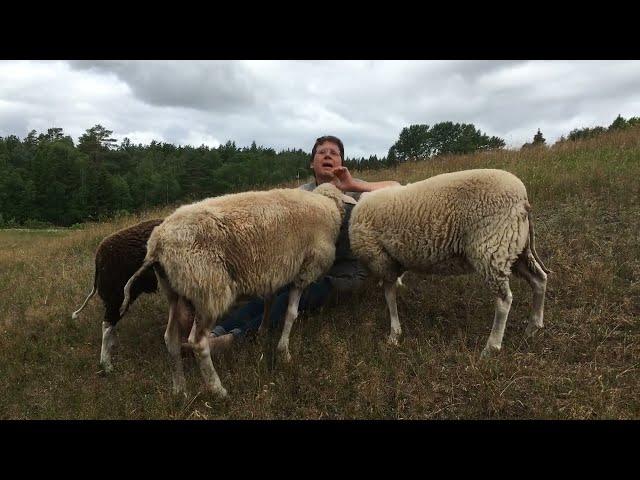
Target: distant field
(584, 364)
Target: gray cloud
(287, 104)
(221, 86)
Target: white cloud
(287, 104)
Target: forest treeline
(47, 179)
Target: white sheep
(218, 250)
(454, 223)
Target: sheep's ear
(348, 199)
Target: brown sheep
(117, 258)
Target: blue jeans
(248, 317)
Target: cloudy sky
(287, 104)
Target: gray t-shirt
(346, 273)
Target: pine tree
(619, 123)
(538, 139)
(96, 139)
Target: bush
(8, 222)
(121, 214)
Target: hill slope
(584, 364)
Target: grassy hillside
(583, 365)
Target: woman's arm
(346, 183)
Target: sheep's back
(117, 258)
(435, 220)
(254, 241)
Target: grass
(583, 365)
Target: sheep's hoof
(531, 330)
(285, 355)
(179, 388)
(179, 391)
(489, 351)
(393, 340)
(220, 391)
(107, 368)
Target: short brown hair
(328, 138)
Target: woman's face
(327, 157)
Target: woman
(347, 273)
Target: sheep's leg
(108, 340)
(292, 313)
(185, 317)
(199, 340)
(532, 272)
(266, 316)
(503, 305)
(173, 343)
(390, 289)
(109, 335)
(383, 266)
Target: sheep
(117, 257)
(454, 223)
(218, 250)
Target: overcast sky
(288, 104)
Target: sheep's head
(335, 194)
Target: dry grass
(583, 365)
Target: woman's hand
(345, 180)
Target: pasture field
(585, 363)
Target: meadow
(584, 364)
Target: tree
(121, 198)
(16, 195)
(495, 143)
(97, 143)
(633, 121)
(126, 144)
(52, 135)
(413, 143)
(422, 141)
(96, 139)
(227, 151)
(32, 139)
(12, 142)
(538, 141)
(392, 159)
(56, 176)
(618, 124)
(584, 133)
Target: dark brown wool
(117, 258)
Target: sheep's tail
(532, 246)
(148, 262)
(75, 314)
